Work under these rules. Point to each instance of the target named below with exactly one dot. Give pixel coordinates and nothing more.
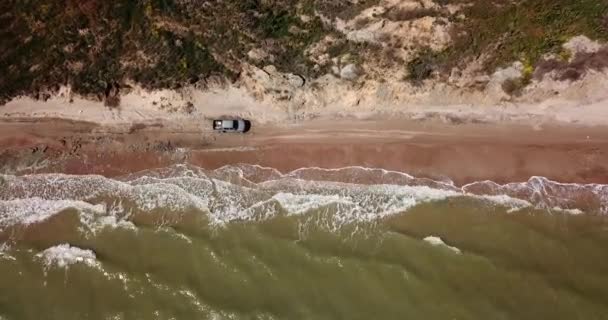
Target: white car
(237, 125)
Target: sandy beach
(463, 153)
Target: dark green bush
(422, 66)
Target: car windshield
(228, 124)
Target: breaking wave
(437, 241)
(64, 255)
(251, 193)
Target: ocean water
(247, 242)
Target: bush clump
(515, 86)
(404, 14)
(422, 66)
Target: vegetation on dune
(524, 30)
(96, 45)
(504, 31)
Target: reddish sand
(464, 153)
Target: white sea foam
(363, 175)
(353, 202)
(299, 204)
(4, 255)
(298, 172)
(33, 210)
(64, 255)
(250, 192)
(437, 241)
(189, 295)
(175, 234)
(547, 194)
(567, 211)
(93, 217)
(513, 204)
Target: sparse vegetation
(508, 31)
(503, 31)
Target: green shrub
(422, 66)
(404, 14)
(276, 25)
(515, 86)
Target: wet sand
(463, 153)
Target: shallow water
(250, 243)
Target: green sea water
(247, 242)
(528, 264)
